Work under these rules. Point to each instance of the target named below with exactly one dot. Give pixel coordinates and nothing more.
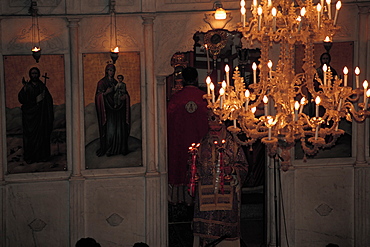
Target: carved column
(3, 157)
(162, 154)
(76, 196)
(362, 170)
(153, 180)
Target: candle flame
(368, 93)
(317, 100)
(328, 1)
(338, 5)
(222, 91)
(208, 80)
(242, 10)
(265, 99)
(227, 68)
(357, 71)
(296, 105)
(259, 10)
(242, 3)
(36, 49)
(254, 66)
(269, 64)
(115, 50)
(318, 7)
(212, 86)
(365, 84)
(274, 11)
(247, 93)
(303, 100)
(224, 84)
(324, 67)
(345, 70)
(254, 109)
(303, 11)
(327, 39)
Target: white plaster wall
(37, 214)
(324, 203)
(115, 211)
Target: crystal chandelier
(284, 93)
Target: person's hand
(109, 90)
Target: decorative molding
(324, 209)
(114, 219)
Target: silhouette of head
(141, 244)
(190, 75)
(87, 242)
(325, 58)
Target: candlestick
(227, 69)
(274, 12)
(324, 69)
(208, 61)
(329, 8)
(345, 72)
(269, 64)
(234, 122)
(265, 101)
(247, 94)
(317, 101)
(318, 8)
(222, 91)
(254, 67)
(367, 99)
(208, 82)
(212, 86)
(302, 105)
(259, 12)
(269, 133)
(357, 72)
(303, 12)
(365, 84)
(317, 132)
(337, 7)
(296, 107)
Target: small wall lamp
(219, 18)
(36, 50)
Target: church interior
(308, 161)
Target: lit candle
(269, 133)
(269, 64)
(208, 62)
(302, 105)
(337, 7)
(324, 69)
(254, 4)
(357, 72)
(265, 101)
(259, 12)
(242, 11)
(299, 19)
(247, 94)
(296, 108)
(303, 12)
(208, 82)
(227, 69)
(345, 72)
(222, 92)
(253, 110)
(254, 67)
(274, 12)
(367, 98)
(365, 84)
(269, 121)
(317, 132)
(223, 84)
(329, 8)
(317, 101)
(212, 87)
(269, 3)
(318, 15)
(234, 123)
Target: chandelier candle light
(286, 94)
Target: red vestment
(187, 123)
